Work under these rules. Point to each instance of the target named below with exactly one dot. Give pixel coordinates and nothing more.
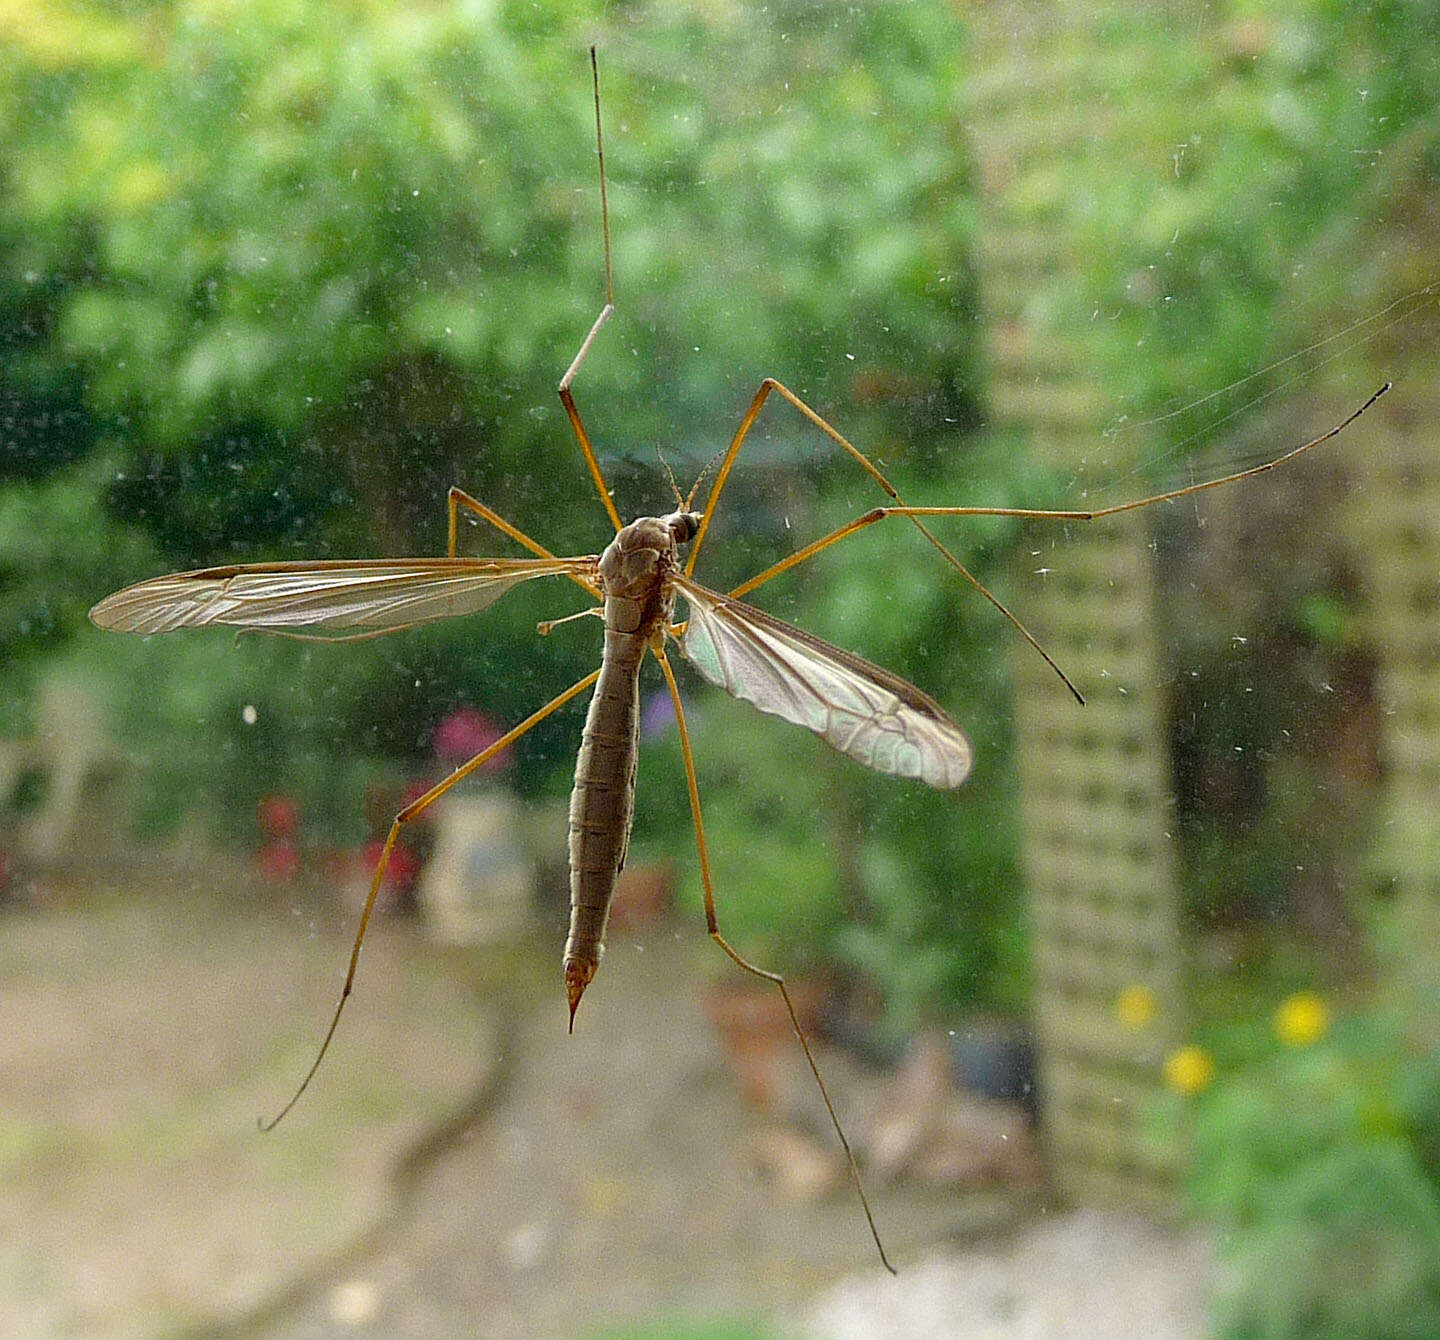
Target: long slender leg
(415, 807)
(1047, 514)
(766, 387)
(713, 926)
(581, 436)
(738, 441)
(457, 498)
(566, 399)
(1024, 513)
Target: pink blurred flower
(465, 733)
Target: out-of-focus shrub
(1316, 1161)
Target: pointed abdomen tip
(578, 975)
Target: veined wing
(371, 595)
(877, 718)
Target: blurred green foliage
(1319, 1169)
(1261, 154)
(273, 276)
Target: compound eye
(684, 526)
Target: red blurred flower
(278, 816)
(403, 870)
(278, 861)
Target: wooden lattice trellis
(1101, 873)
(1393, 520)
(1096, 782)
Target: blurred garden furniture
(478, 885)
(930, 1130)
(82, 810)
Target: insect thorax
(634, 566)
(640, 554)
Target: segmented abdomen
(602, 805)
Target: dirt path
(144, 1037)
(461, 1166)
(611, 1183)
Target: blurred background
(1136, 1030)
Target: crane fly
(861, 709)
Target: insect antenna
(680, 503)
(709, 466)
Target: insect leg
(741, 433)
(457, 498)
(566, 399)
(1038, 514)
(410, 811)
(713, 926)
(879, 514)
(548, 626)
(581, 436)
(770, 384)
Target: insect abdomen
(602, 806)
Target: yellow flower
(1136, 1006)
(1301, 1019)
(1189, 1070)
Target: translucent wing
(371, 595)
(864, 711)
